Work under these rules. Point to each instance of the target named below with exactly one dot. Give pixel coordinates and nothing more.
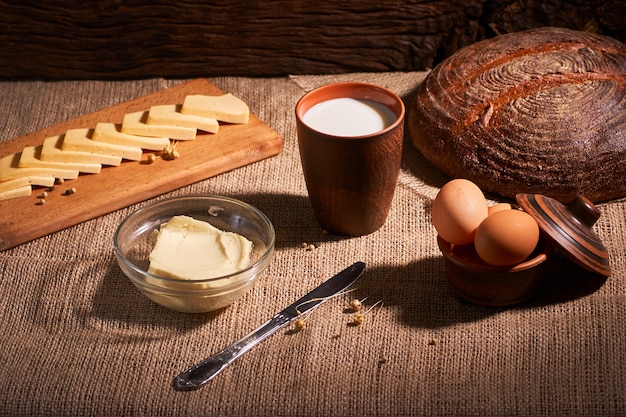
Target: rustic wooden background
(116, 39)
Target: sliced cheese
(111, 133)
(225, 108)
(52, 151)
(10, 170)
(169, 114)
(31, 159)
(135, 124)
(79, 140)
(23, 191)
(24, 181)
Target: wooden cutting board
(22, 220)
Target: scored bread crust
(540, 111)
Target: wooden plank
(21, 220)
(191, 38)
(112, 39)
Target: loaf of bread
(539, 111)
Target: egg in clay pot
(458, 209)
(506, 237)
(501, 235)
(492, 254)
(505, 259)
(507, 256)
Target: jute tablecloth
(76, 338)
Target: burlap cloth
(76, 337)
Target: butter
(169, 114)
(112, 133)
(225, 108)
(190, 249)
(135, 124)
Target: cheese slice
(51, 151)
(225, 108)
(23, 191)
(169, 114)
(31, 159)
(111, 133)
(22, 187)
(78, 140)
(135, 124)
(24, 181)
(10, 169)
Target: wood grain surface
(115, 39)
(22, 220)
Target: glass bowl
(135, 237)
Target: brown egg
(458, 209)
(506, 237)
(498, 207)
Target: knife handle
(202, 372)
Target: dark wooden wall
(116, 39)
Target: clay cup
(351, 179)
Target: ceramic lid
(570, 228)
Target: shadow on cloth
(421, 292)
(117, 302)
(292, 217)
(565, 281)
(418, 288)
(426, 300)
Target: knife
(202, 372)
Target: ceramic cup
(351, 175)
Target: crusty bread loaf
(539, 111)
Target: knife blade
(202, 372)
